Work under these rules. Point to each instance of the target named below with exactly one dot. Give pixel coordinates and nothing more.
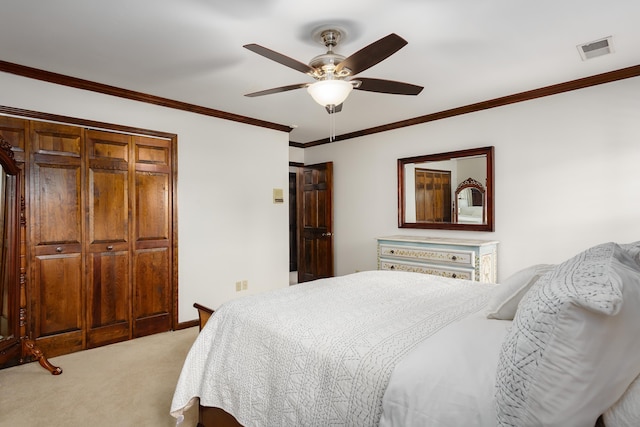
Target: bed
(385, 348)
(471, 214)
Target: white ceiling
(461, 51)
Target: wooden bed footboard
(215, 417)
(208, 416)
(203, 314)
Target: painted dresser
(457, 258)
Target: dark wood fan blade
(277, 89)
(370, 55)
(333, 108)
(280, 58)
(387, 86)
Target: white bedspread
(449, 379)
(319, 353)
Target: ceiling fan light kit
(331, 70)
(330, 92)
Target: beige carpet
(125, 384)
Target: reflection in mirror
(5, 315)
(469, 202)
(10, 333)
(452, 190)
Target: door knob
(328, 234)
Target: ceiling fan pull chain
(332, 125)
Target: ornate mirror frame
(17, 346)
(486, 225)
(11, 309)
(469, 184)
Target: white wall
(229, 229)
(296, 155)
(565, 180)
(565, 171)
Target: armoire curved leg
(29, 348)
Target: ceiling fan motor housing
(326, 63)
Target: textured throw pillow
(572, 349)
(505, 299)
(633, 249)
(626, 411)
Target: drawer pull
(392, 251)
(453, 258)
(454, 275)
(392, 267)
(110, 247)
(59, 249)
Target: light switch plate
(278, 195)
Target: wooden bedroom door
(315, 221)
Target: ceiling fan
(333, 72)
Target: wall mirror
(10, 339)
(449, 191)
(15, 345)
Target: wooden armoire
(100, 240)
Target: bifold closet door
(152, 258)
(433, 195)
(129, 230)
(56, 224)
(108, 237)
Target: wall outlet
(245, 285)
(238, 286)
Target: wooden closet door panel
(59, 275)
(57, 209)
(56, 224)
(108, 206)
(57, 282)
(108, 246)
(152, 207)
(108, 295)
(152, 284)
(152, 299)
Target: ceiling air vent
(595, 48)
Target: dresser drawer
(436, 270)
(448, 256)
(468, 259)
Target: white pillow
(572, 349)
(626, 411)
(504, 301)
